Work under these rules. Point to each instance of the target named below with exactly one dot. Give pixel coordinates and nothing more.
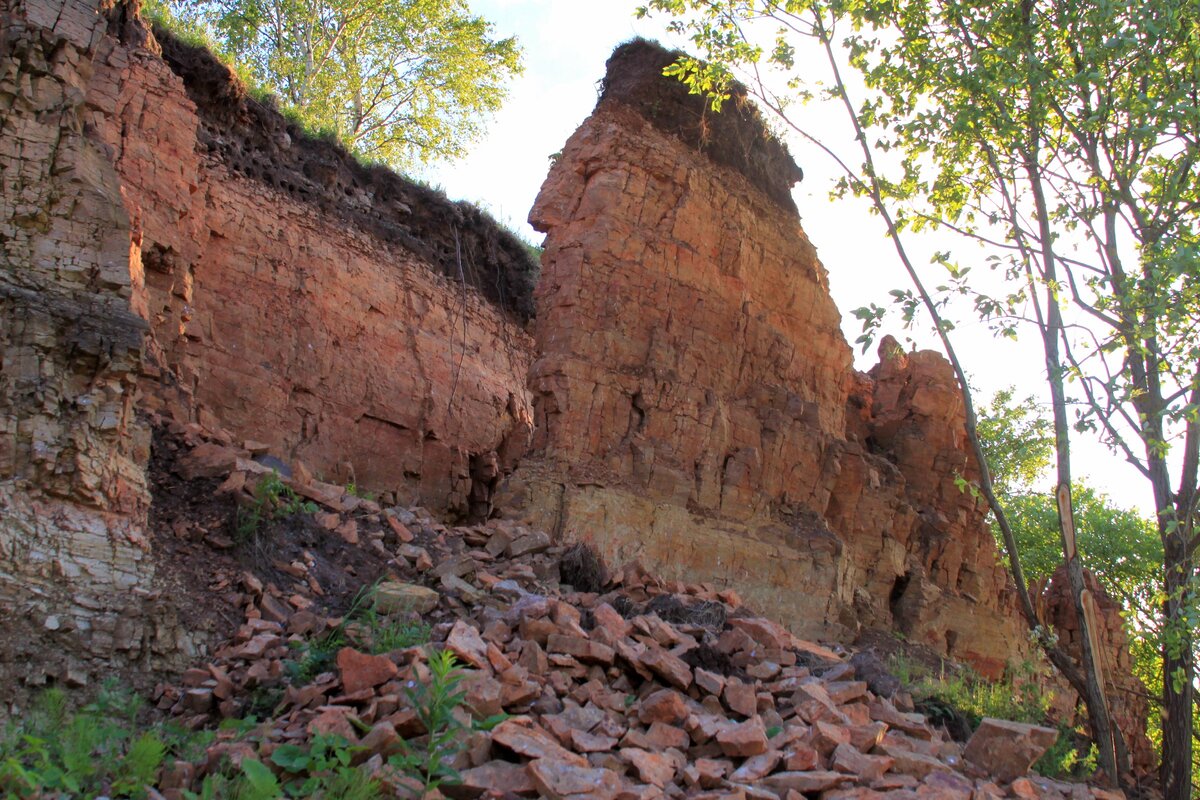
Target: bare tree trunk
(1097, 703)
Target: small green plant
(354, 490)
(1066, 759)
(272, 499)
(435, 704)
(97, 750)
(252, 781)
(324, 769)
(314, 657)
(1017, 698)
(387, 632)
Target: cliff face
(172, 247)
(695, 403)
(299, 298)
(173, 250)
(73, 549)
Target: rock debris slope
(639, 688)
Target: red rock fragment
(1008, 749)
(653, 768)
(665, 705)
(465, 643)
(743, 739)
(805, 782)
(559, 780)
(848, 759)
(361, 671)
(524, 738)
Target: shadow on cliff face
(736, 137)
(252, 138)
(201, 562)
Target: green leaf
(291, 757)
(262, 782)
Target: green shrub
(429, 761)
(435, 705)
(387, 632)
(1017, 697)
(324, 769)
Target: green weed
(96, 750)
(324, 769)
(272, 499)
(387, 632)
(1017, 697)
(315, 657)
(354, 490)
(435, 704)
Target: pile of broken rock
(644, 688)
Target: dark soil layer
(253, 139)
(736, 137)
(200, 557)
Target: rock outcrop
(695, 403)
(74, 555)
(173, 247)
(174, 250)
(298, 295)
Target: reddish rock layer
(277, 321)
(1127, 696)
(691, 399)
(141, 272)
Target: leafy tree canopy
(398, 81)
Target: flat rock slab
(559, 780)
(1008, 749)
(393, 597)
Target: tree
(1119, 546)
(399, 81)
(1063, 137)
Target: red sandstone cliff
(172, 246)
(692, 390)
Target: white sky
(566, 43)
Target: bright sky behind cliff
(566, 43)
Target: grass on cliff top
(159, 16)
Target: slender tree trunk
(1178, 696)
(1097, 703)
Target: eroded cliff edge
(174, 250)
(695, 402)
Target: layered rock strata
(74, 556)
(695, 402)
(296, 295)
(172, 246)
